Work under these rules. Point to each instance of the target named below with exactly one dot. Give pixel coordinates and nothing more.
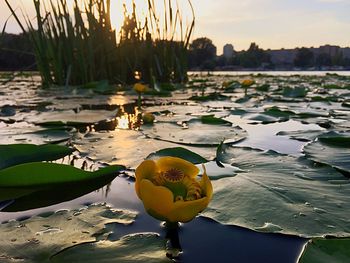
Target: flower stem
(174, 248)
(139, 101)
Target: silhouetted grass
(77, 45)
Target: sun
(117, 11)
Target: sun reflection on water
(129, 118)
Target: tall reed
(78, 45)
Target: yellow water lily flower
(247, 82)
(170, 191)
(140, 88)
(148, 118)
(226, 84)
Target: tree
(16, 52)
(323, 59)
(304, 58)
(253, 57)
(202, 53)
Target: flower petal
(167, 163)
(185, 211)
(206, 185)
(157, 200)
(146, 170)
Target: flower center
(182, 186)
(174, 175)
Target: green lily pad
(33, 136)
(295, 92)
(126, 147)
(195, 133)
(42, 174)
(281, 193)
(320, 250)
(302, 135)
(13, 154)
(146, 247)
(212, 96)
(278, 113)
(180, 153)
(37, 239)
(332, 149)
(71, 117)
(211, 119)
(26, 198)
(263, 118)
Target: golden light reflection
(118, 99)
(129, 119)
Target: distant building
(346, 52)
(283, 58)
(228, 51)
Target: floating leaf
(126, 147)
(38, 238)
(295, 92)
(26, 198)
(302, 135)
(13, 154)
(332, 149)
(320, 250)
(42, 174)
(281, 193)
(73, 118)
(7, 111)
(36, 136)
(131, 248)
(180, 153)
(211, 119)
(212, 96)
(195, 133)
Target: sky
(271, 24)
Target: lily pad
(301, 135)
(281, 193)
(320, 250)
(72, 117)
(37, 239)
(146, 247)
(13, 154)
(126, 147)
(295, 92)
(26, 198)
(211, 119)
(180, 153)
(37, 136)
(44, 174)
(195, 133)
(332, 149)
